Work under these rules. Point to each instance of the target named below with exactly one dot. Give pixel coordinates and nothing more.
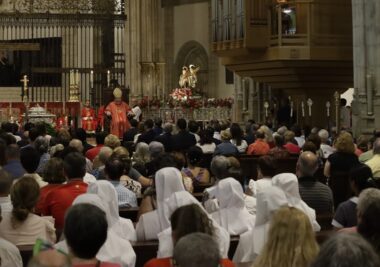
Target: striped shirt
(317, 196)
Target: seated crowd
(63, 194)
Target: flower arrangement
(181, 94)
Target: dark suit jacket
(130, 134)
(165, 139)
(183, 141)
(146, 137)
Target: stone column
(366, 37)
(238, 96)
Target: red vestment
(100, 118)
(88, 119)
(119, 123)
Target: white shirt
(38, 179)
(326, 150)
(207, 148)
(243, 146)
(9, 254)
(6, 204)
(89, 178)
(137, 111)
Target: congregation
(215, 194)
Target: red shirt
(292, 148)
(259, 147)
(44, 191)
(167, 262)
(93, 152)
(60, 199)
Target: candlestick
(91, 78)
(328, 108)
(108, 78)
(309, 103)
(291, 109)
(77, 77)
(303, 108)
(266, 106)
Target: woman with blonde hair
(291, 241)
(268, 135)
(344, 157)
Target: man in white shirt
(136, 109)
(327, 150)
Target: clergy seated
(21, 226)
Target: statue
(184, 77)
(193, 76)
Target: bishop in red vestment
(118, 111)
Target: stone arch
(194, 53)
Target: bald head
(49, 258)
(77, 144)
(307, 164)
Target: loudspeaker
(229, 76)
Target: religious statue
(88, 118)
(184, 77)
(188, 78)
(119, 111)
(193, 76)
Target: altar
(38, 111)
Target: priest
(119, 112)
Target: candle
(108, 78)
(71, 77)
(309, 103)
(266, 106)
(303, 108)
(92, 79)
(291, 109)
(328, 108)
(77, 77)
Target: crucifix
(309, 103)
(25, 92)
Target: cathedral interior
(260, 53)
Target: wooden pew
(324, 220)
(129, 213)
(26, 252)
(146, 250)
